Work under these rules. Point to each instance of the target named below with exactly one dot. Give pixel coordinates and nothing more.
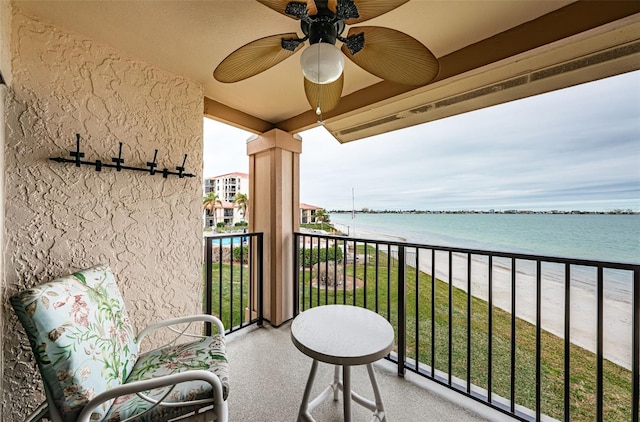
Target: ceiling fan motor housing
(323, 31)
(323, 27)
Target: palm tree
(322, 217)
(242, 201)
(210, 202)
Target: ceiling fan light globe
(322, 63)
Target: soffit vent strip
(500, 86)
(370, 124)
(602, 57)
(593, 59)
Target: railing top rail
(232, 235)
(502, 254)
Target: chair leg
(303, 413)
(379, 412)
(346, 392)
(336, 382)
(217, 414)
(224, 412)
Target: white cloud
(569, 149)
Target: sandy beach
(583, 312)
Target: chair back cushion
(81, 336)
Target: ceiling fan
(384, 52)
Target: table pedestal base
(343, 385)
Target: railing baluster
(402, 346)
(468, 323)
(490, 329)
(538, 336)
(450, 327)
(208, 299)
(260, 278)
(344, 272)
(355, 258)
(231, 283)
(311, 264)
(512, 406)
(433, 313)
(309, 261)
(364, 289)
(377, 259)
(251, 276)
(567, 342)
(389, 258)
(303, 260)
(296, 276)
(220, 278)
(326, 269)
(600, 345)
(242, 240)
(635, 371)
(334, 250)
(417, 310)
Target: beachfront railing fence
(233, 279)
(524, 334)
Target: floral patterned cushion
(208, 354)
(81, 336)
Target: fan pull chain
(318, 109)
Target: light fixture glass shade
(322, 63)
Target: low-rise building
(308, 213)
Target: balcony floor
(268, 376)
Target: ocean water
(609, 238)
(612, 238)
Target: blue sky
(578, 148)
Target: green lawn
(617, 380)
(230, 312)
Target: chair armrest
(181, 320)
(164, 381)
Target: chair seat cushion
(208, 353)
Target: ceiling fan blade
(254, 58)
(393, 56)
(369, 9)
(280, 6)
(326, 96)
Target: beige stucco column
(274, 202)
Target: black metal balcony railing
(231, 262)
(452, 330)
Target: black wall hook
(77, 152)
(152, 165)
(119, 161)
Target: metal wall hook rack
(119, 161)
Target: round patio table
(343, 336)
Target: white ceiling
(191, 38)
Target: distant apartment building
(226, 186)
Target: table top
(342, 334)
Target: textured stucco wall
(60, 218)
(5, 36)
(5, 69)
